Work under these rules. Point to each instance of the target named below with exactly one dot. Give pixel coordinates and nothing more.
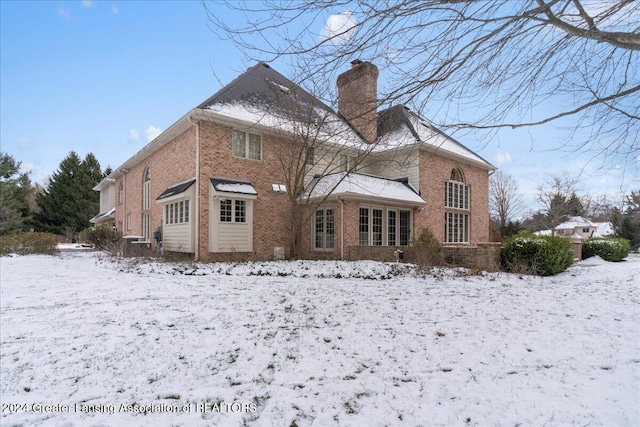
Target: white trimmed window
(309, 156)
(233, 210)
(246, 145)
(457, 202)
(176, 213)
(129, 221)
(384, 227)
(324, 230)
(347, 163)
(456, 227)
(121, 192)
(146, 189)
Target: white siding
(234, 237)
(108, 198)
(326, 161)
(394, 165)
(229, 236)
(177, 237)
(180, 237)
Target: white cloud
(152, 132)
(638, 161)
(64, 13)
(134, 135)
(339, 28)
(24, 143)
(86, 3)
(114, 9)
(503, 158)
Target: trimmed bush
(28, 243)
(428, 249)
(608, 249)
(539, 255)
(104, 238)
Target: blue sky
(106, 76)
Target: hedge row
(539, 255)
(609, 249)
(28, 243)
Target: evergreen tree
(15, 188)
(69, 201)
(627, 225)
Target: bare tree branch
(466, 64)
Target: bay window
(384, 227)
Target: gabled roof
(176, 189)
(573, 222)
(360, 186)
(398, 126)
(262, 85)
(233, 186)
(266, 98)
(104, 216)
(604, 229)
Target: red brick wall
(270, 210)
(434, 171)
(173, 163)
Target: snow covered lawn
(87, 341)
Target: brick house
(219, 183)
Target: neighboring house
(107, 215)
(578, 228)
(216, 181)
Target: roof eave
(455, 156)
(104, 183)
(364, 198)
(157, 143)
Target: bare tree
(478, 65)
(505, 203)
(558, 198)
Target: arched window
(146, 189)
(457, 202)
(457, 175)
(146, 204)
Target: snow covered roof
(573, 222)
(356, 185)
(233, 186)
(176, 189)
(104, 216)
(398, 126)
(264, 97)
(604, 229)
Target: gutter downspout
(341, 227)
(197, 201)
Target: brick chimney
(357, 98)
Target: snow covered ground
(89, 341)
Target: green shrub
(28, 243)
(540, 255)
(609, 249)
(428, 249)
(104, 238)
